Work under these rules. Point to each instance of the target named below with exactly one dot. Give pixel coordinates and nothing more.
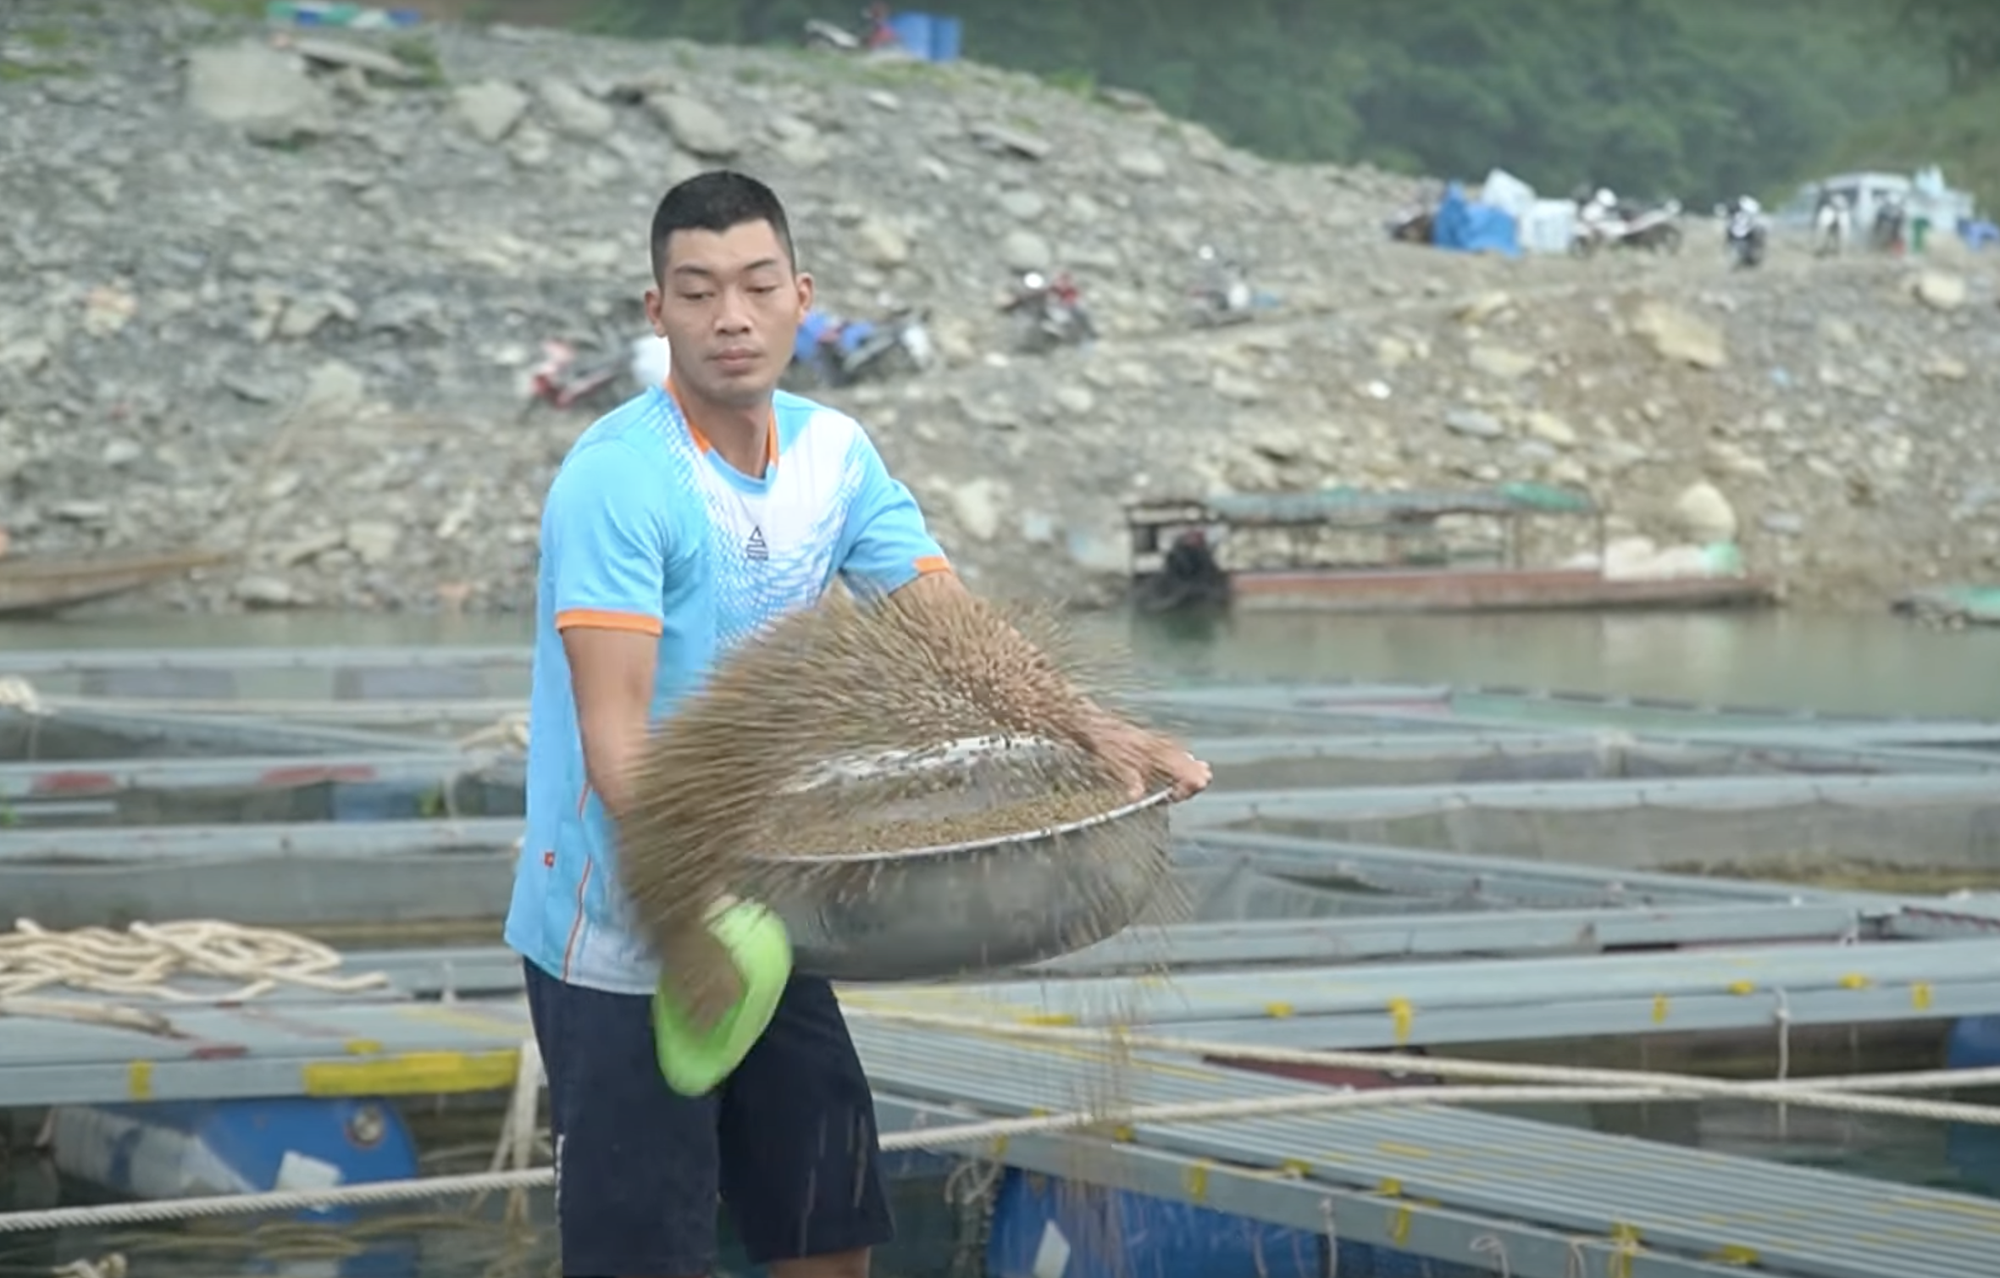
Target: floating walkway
(1424, 1179)
(297, 1042)
(1519, 1000)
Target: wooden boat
(1960, 604)
(1174, 564)
(1487, 590)
(35, 585)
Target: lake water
(1870, 663)
(1862, 664)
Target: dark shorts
(788, 1144)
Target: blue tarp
(806, 340)
(814, 327)
(934, 37)
(1468, 227)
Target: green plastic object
(695, 1064)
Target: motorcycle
(570, 375)
(1744, 235)
(832, 37)
(821, 34)
(1224, 296)
(835, 352)
(1886, 234)
(1414, 227)
(1833, 226)
(1048, 312)
(1602, 224)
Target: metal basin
(956, 909)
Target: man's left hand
(1138, 757)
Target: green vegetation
(1961, 130)
(1700, 98)
(231, 8)
(421, 56)
(1962, 133)
(44, 45)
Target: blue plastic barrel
(1974, 1151)
(913, 31)
(947, 38)
(1042, 1226)
(375, 801)
(177, 1149)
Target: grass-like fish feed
(750, 786)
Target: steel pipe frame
(70, 778)
(459, 971)
(1547, 1180)
(1307, 1205)
(1526, 1171)
(357, 841)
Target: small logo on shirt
(755, 547)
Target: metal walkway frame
(1424, 1179)
(1394, 1005)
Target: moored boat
(35, 585)
(1429, 552)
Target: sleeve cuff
(639, 623)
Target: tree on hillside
(1703, 99)
(1967, 32)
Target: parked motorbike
(836, 352)
(1833, 225)
(821, 34)
(831, 36)
(1223, 295)
(1886, 234)
(1744, 234)
(1604, 223)
(1048, 312)
(593, 376)
(1413, 227)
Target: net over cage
(1943, 830)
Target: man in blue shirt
(680, 523)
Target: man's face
(729, 306)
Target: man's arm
(609, 575)
(611, 676)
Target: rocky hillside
(282, 300)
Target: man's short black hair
(716, 201)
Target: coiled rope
(142, 961)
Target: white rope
(1495, 1246)
(1826, 1093)
(510, 730)
(143, 960)
(989, 1132)
(17, 693)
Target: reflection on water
(1853, 664)
(1865, 664)
(1868, 663)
